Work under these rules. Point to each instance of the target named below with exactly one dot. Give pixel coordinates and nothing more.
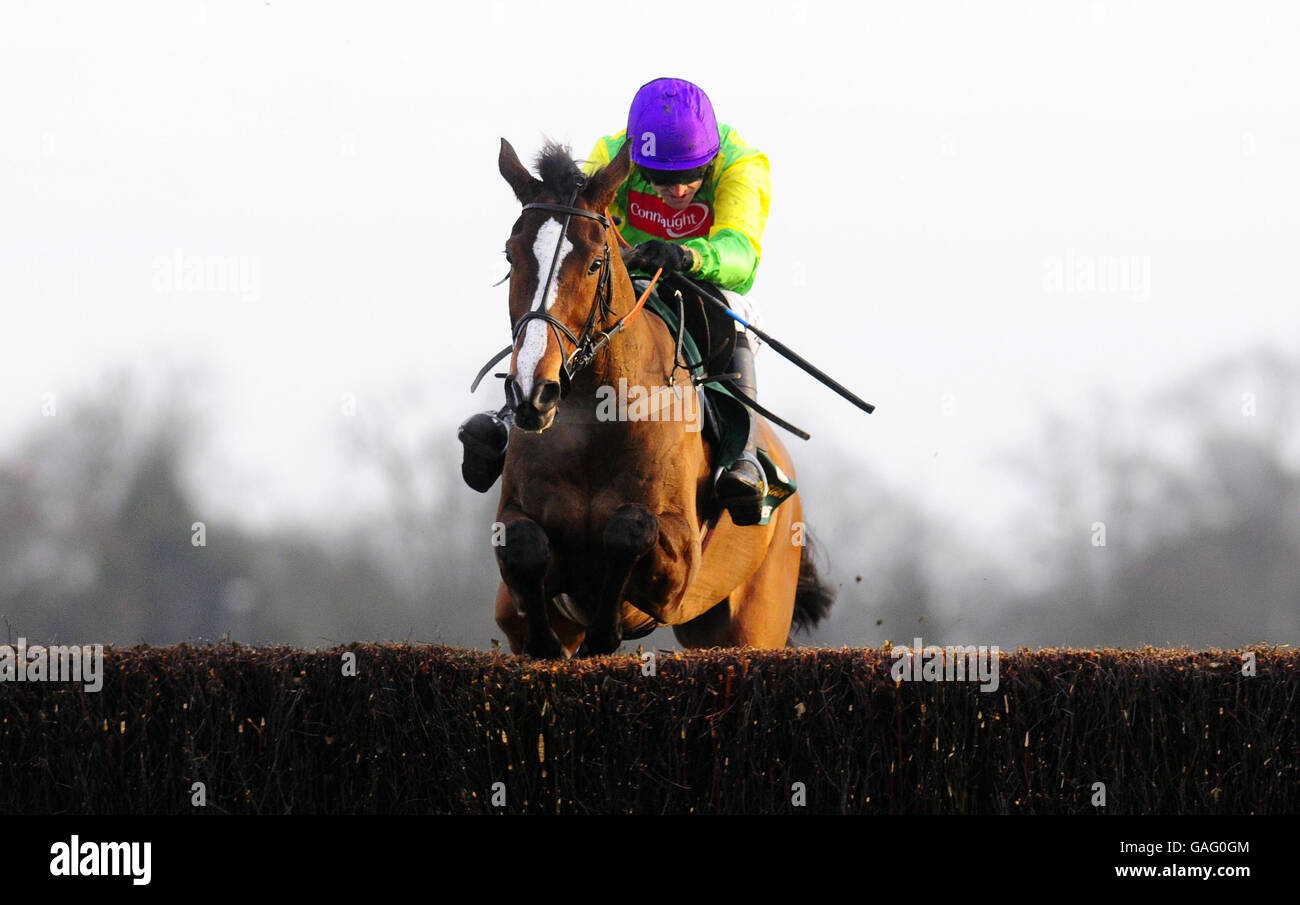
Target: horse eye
(595, 266)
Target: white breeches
(749, 310)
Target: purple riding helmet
(671, 126)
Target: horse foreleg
(631, 533)
(523, 560)
(510, 620)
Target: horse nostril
(513, 394)
(546, 395)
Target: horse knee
(631, 533)
(526, 551)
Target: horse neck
(639, 353)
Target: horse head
(563, 277)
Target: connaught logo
(649, 214)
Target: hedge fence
(426, 729)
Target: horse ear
(604, 183)
(526, 186)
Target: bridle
(591, 340)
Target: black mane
(558, 171)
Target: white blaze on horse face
(537, 332)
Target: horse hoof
(596, 647)
(545, 649)
(631, 533)
(484, 437)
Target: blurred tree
(1202, 507)
(96, 542)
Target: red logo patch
(649, 214)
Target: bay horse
(602, 528)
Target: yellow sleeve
(729, 256)
(598, 157)
(743, 199)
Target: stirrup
(485, 437)
(739, 494)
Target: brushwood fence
(426, 729)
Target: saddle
(726, 419)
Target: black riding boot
(484, 437)
(741, 488)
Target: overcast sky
(945, 177)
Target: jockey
(696, 202)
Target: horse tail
(813, 595)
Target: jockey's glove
(650, 256)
